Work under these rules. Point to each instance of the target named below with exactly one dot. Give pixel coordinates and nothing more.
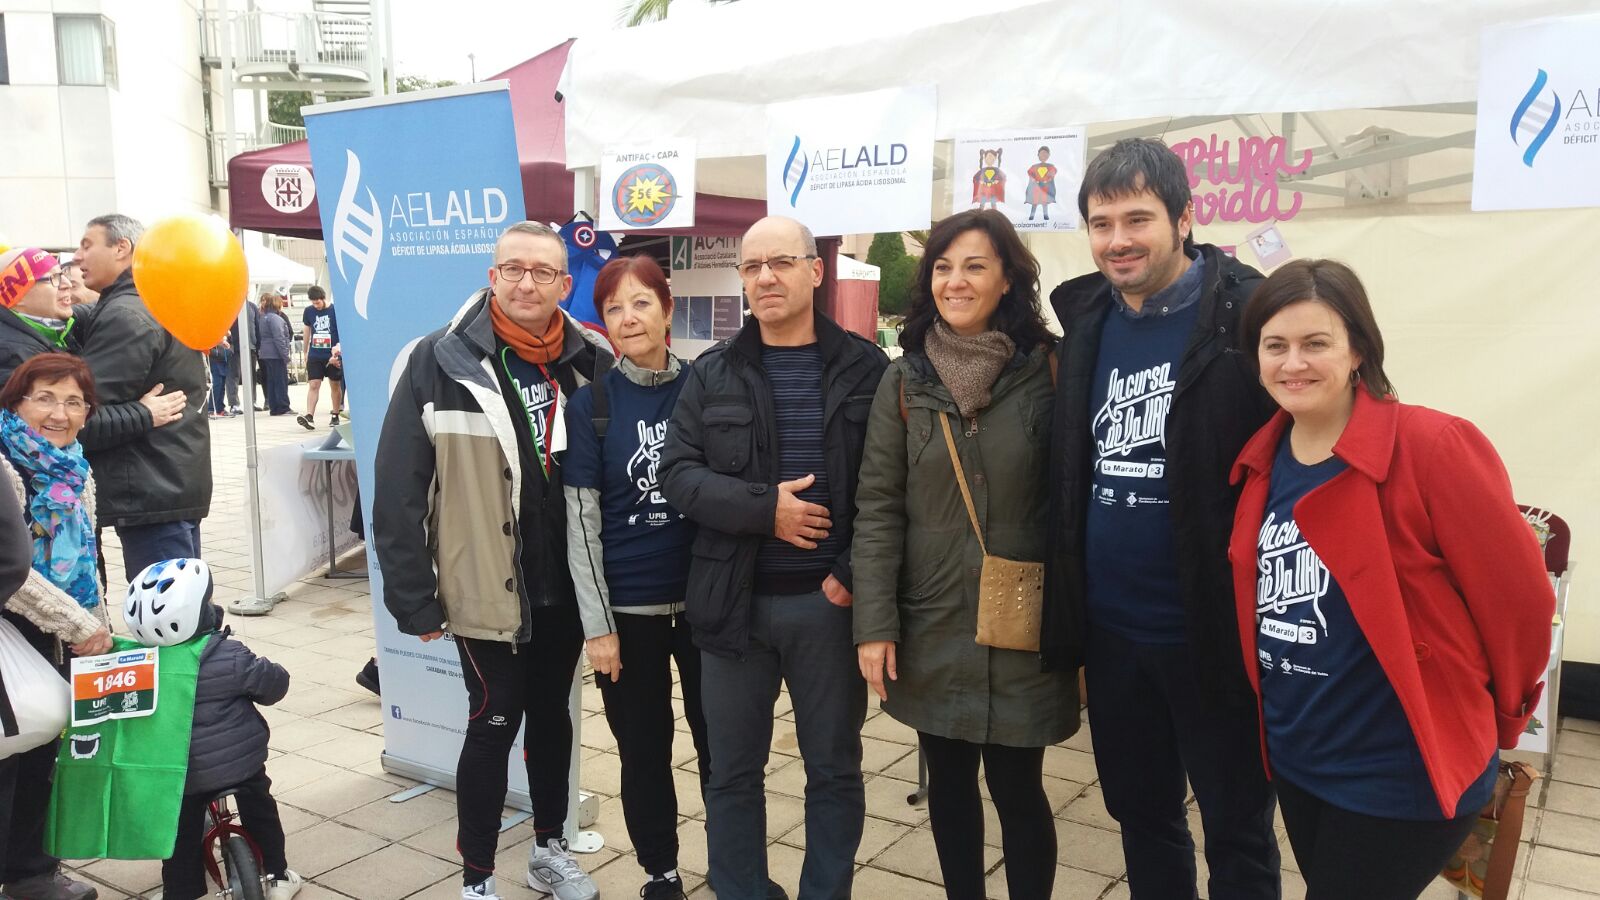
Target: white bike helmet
(167, 601)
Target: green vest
(119, 783)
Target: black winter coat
(146, 474)
(229, 739)
(720, 467)
(20, 343)
(1218, 404)
(253, 314)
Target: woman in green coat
(977, 353)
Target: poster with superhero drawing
(1029, 175)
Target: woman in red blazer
(1394, 610)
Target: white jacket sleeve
(585, 558)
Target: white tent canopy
(1323, 70)
(1021, 63)
(848, 269)
(268, 266)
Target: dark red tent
(541, 146)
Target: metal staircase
(330, 49)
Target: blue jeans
(275, 374)
(145, 544)
(219, 385)
(803, 640)
(1151, 727)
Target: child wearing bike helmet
(169, 603)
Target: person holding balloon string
(165, 296)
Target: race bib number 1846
(114, 686)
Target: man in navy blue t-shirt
(323, 360)
(1152, 406)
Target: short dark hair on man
(1018, 316)
(1132, 165)
(315, 292)
(1335, 286)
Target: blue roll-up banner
(417, 187)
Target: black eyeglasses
(541, 274)
(780, 265)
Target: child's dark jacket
(230, 736)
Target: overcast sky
(432, 38)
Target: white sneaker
(483, 890)
(285, 887)
(552, 870)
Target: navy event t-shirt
(646, 540)
(324, 331)
(1335, 727)
(1129, 544)
(541, 398)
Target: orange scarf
(545, 348)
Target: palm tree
(642, 11)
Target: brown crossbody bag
(1010, 592)
(1484, 865)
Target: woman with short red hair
(629, 553)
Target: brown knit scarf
(968, 366)
(545, 348)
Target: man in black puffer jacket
(155, 482)
(228, 751)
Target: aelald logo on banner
(418, 223)
(1541, 114)
(357, 234)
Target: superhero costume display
(588, 250)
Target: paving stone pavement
(348, 840)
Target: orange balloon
(191, 272)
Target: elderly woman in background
(44, 405)
(977, 354)
(73, 286)
(1394, 611)
(276, 338)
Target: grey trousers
(806, 642)
(235, 374)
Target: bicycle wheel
(242, 869)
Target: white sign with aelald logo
(853, 163)
(1538, 139)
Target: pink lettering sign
(1246, 190)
